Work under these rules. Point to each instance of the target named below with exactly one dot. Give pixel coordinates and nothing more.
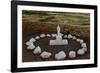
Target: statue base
(58, 42)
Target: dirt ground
(28, 56)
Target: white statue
(58, 40)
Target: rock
(54, 35)
(78, 40)
(32, 40)
(78, 35)
(85, 49)
(83, 45)
(37, 37)
(48, 35)
(28, 43)
(60, 55)
(65, 36)
(72, 54)
(37, 50)
(45, 54)
(69, 36)
(80, 52)
(81, 41)
(42, 35)
(74, 38)
(31, 47)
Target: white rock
(78, 35)
(48, 35)
(60, 55)
(72, 54)
(83, 45)
(42, 35)
(85, 49)
(32, 40)
(81, 41)
(65, 36)
(74, 38)
(80, 52)
(28, 43)
(45, 54)
(37, 50)
(37, 37)
(78, 40)
(54, 35)
(69, 36)
(31, 46)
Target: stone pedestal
(58, 42)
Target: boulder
(72, 54)
(54, 35)
(83, 45)
(32, 40)
(84, 48)
(80, 52)
(69, 36)
(78, 40)
(37, 50)
(28, 43)
(42, 35)
(48, 35)
(65, 36)
(81, 41)
(60, 55)
(31, 46)
(74, 38)
(45, 55)
(37, 37)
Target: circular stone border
(45, 54)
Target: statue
(58, 40)
(58, 29)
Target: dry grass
(35, 22)
(42, 27)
